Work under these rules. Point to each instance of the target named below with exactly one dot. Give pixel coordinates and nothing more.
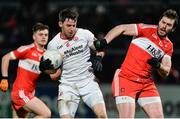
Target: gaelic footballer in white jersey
(77, 78)
(76, 53)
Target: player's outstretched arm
(125, 29)
(4, 71)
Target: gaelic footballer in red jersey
(23, 90)
(151, 49)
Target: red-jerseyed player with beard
(22, 94)
(151, 49)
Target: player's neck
(39, 47)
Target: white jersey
(76, 55)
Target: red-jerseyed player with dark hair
(22, 94)
(151, 49)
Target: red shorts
(133, 87)
(21, 97)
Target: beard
(70, 36)
(162, 35)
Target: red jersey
(147, 45)
(28, 67)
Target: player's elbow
(6, 58)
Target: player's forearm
(124, 29)
(5, 65)
(4, 70)
(113, 33)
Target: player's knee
(65, 116)
(102, 114)
(159, 116)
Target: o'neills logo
(75, 38)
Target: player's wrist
(99, 58)
(158, 65)
(100, 44)
(4, 77)
(154, 62)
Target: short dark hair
(70, 13)
(39, 26)
(172, 14)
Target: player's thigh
(67, 109)
(150, 100)
(126, 110)
(20, 98)
(125, 106)
(123, 86)
(154, 110)
(68, 100)
(91, 94)
(38, 107)
(125, 91)
(149, 94)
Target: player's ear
(173, 29)
(60, 23)
(33, 36)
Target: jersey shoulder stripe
(25, 47)
(144, 26)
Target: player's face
(41, 37)
(166, 25)
(68, 28)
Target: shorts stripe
(23, 96)
(116, 82)
(147, 100)
(124, 99)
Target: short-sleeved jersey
(76, 55)
(28, 66)
(147, 45)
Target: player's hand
(96, 63)
(4, 85)
(154, 62)
(100, 44)
(45, 65)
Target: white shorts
(69, 96)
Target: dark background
(99, 16)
